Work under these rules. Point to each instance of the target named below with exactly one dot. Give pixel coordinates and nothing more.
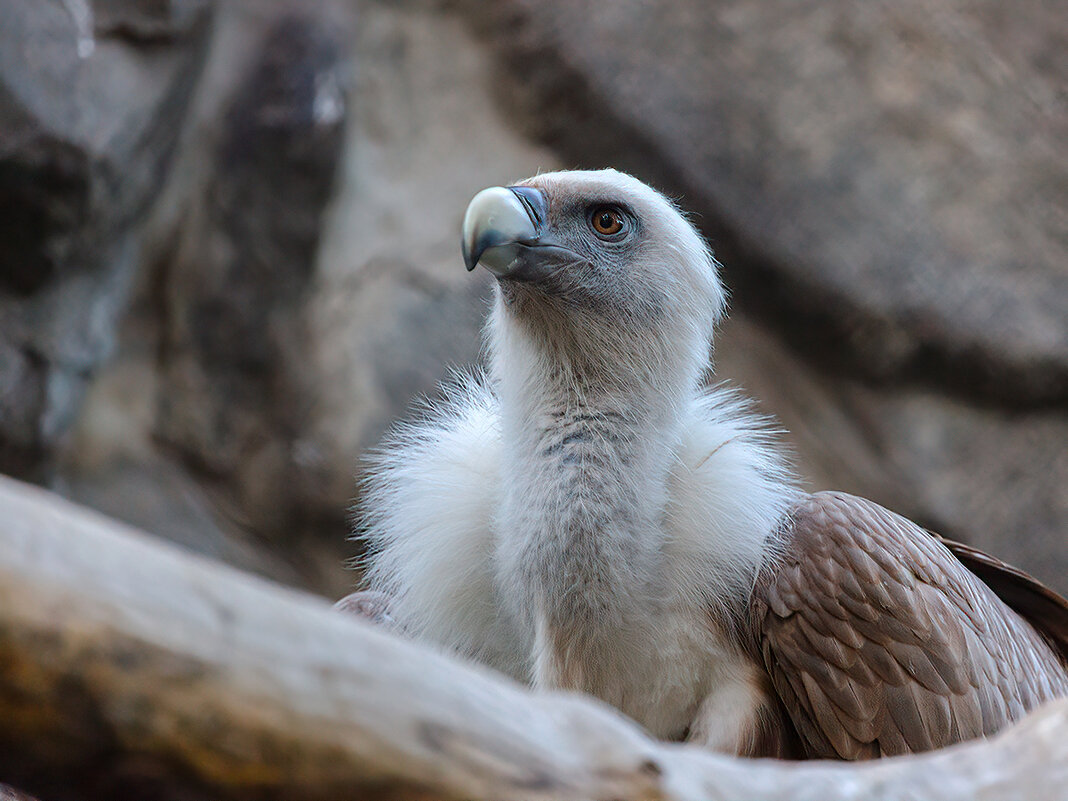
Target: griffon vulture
(589, 516)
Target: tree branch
(128, 666)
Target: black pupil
(607, 219)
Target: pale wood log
(131, 669)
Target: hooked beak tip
(498, 221)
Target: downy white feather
(432, 498)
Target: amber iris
(607, 221)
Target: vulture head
(596, 268)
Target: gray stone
(89, 126)
(145, 20)
(233, 340)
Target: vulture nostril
(534, 202)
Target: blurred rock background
(229, 258)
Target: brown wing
(1027, 596)
(880, 642)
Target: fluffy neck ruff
(590, 419)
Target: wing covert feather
(879, 641)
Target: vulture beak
(502, 225)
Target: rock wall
(259, 203)
(90, 107)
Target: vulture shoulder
(879, 638)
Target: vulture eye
(606, 221)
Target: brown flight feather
(926, 643)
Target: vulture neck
(590, 437)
